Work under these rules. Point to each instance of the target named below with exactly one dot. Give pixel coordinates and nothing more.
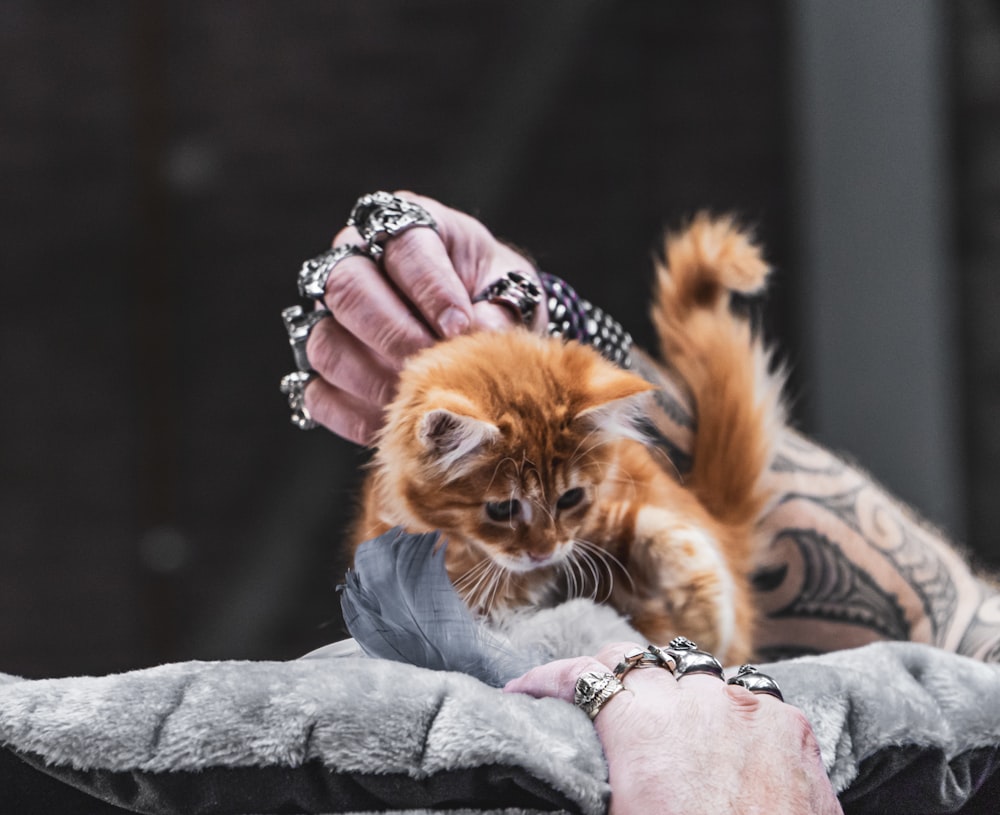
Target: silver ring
(294, 387)
(648, 657)
(634, 658)
(299, 323)
(688, 659)
(754, 681)
(379, 216)
(515, 291)
(594, 690)
(316, 271)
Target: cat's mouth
(530, 561)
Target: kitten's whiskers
(499, 575)
(477, 593)
(568, 565)
(585, 560)
(462, 582)
(576, 455)
(607, 560)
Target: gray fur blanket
(903, 728)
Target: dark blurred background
(166, 166)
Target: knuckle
(743, 702)
(409, 251)
(344, 292)
(323, 356)
(393, 339)
(800, 725)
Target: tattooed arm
(843, 563)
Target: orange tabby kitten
(524, 452)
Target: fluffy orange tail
(724, 366)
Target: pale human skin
(842, 564)
(762, 753)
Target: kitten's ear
(614, 402)
(449, 436)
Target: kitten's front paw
(686, 586)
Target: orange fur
(492, 418)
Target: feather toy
(399, 604)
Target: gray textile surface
(897, 722)
(359, 716)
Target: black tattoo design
(834, 588)
(782, 463)
(843, 504)
(982, 638)
(769, 578)
(673, 408)
(915, 561)
(681, 461)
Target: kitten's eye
(503, 510)
(570, 498)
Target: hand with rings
(680, 739)
(404, 273)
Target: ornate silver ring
(647, 657)
(379, 216)
(687, 658)
(515, 291)
(299, 323)
(594, 690)
(316, 271)
(294, 387)
(754, 681)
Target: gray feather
(399, 604)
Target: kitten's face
(501, 442)
(520, 504)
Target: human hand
(695, 744)
(420, 292)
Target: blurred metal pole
(869, 82)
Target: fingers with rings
(754, 681)
(515, 292)
(379, 216)
(594, 689)
(415, 260)
(369, 307)
(688, 658)
(682, 657)
(640, 658)
(345, 414)
(623, 658)
(340, 358)
(299, 324)
(315, 272)
(321, 348)
(294, 387)
(399, 276)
